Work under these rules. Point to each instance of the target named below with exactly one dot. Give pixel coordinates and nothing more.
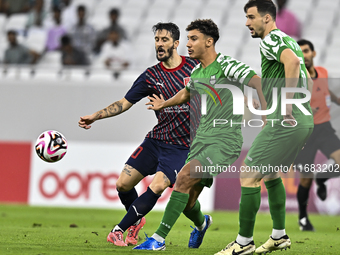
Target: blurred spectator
(15, 6)
(115, 54)
(286, 21)
(103, 35)
(55, 32)
(17, 53)
(2, 6)
(68, 14)
(37, 14)
(71, 55)
(83, 34)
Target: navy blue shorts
(153, 156)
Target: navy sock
(128, 197)
(302, 197)
(140, 207)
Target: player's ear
(267, 18)
(209, 42)
(314, 54)
(176, 43)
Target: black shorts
(154, 155)
(324, 139)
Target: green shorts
(275, 148)
(214, 156)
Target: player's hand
(256, 103)
(289, 117)
(86, 121)
(156, 103)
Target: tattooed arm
(113, 109)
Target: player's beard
(169, 54)
(255, 35)
(309, 63)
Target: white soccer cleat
(236, 249)
(274, 244)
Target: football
(51, 146)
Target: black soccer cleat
(321, 189)
(305, 224)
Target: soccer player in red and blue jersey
(166, 146)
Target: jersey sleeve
(272, 46)
(190, 86)
(138, 90)
(235, 70)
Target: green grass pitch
(47, 230)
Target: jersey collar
(173, 69)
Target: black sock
(302, 197)
(128, 197)
(140, 207)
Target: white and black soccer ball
(51, 146)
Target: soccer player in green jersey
(216, 144)
(278, 144)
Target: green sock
(249, 205)
(173, 210)
(277, 202)
(195, 214)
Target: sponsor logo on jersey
(186, 80)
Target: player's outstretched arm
(113, 109)
(158, 103)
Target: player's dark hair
(304, 42)
(206, 27)
(263, 7)
(170, 27)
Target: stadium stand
(320, 24)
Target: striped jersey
(177, 123)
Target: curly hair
(206, 27)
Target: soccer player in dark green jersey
(215, 145)
(278, 144)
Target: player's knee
(123, 186)
(158, 187)
(250, 182)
